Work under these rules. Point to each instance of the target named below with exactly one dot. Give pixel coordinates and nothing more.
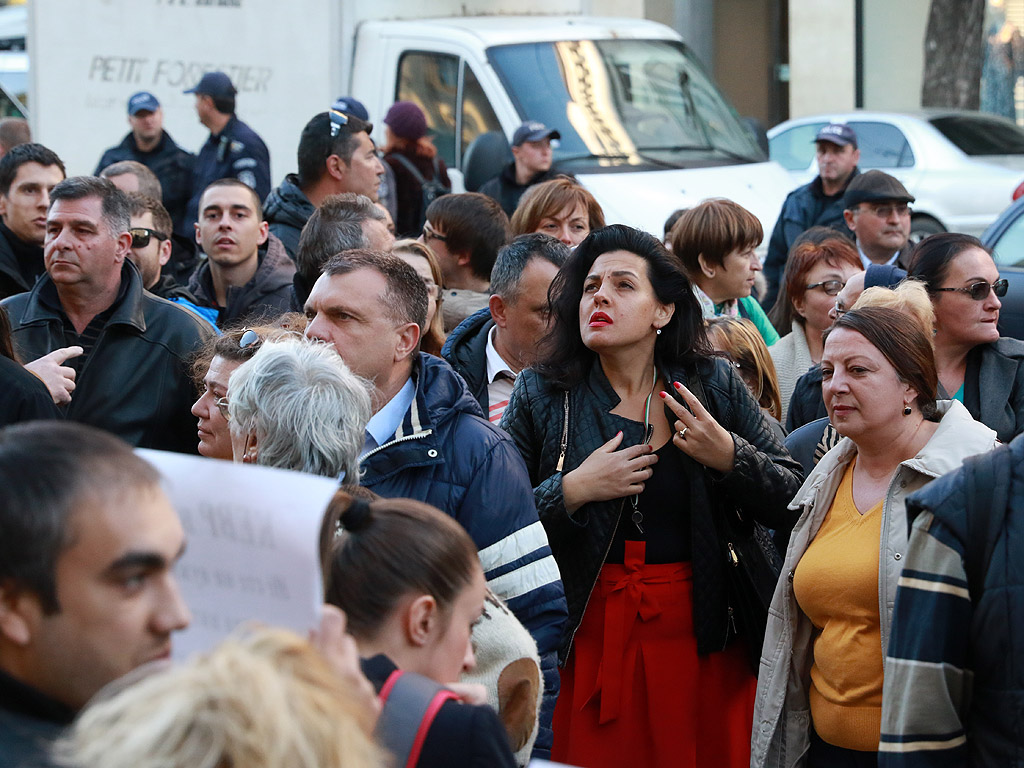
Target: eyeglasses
(885, 211)
(831, 287)
(429, 234)
(141, 236)
(840, 310)
(338, 121)
(979, 291)
(222, 406)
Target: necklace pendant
(638, 517)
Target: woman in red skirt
(628, 466)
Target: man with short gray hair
(343, 222)
(130, 176)
(490, 347)
(135, 346)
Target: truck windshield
(624, 103)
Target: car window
(431, 80)
(882, 145)
(794, 149)
(981, 134)
(1008, 251)
(477, 114)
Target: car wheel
(922, 226)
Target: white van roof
(508, 30)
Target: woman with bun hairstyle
(408, 577)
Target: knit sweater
(792, 359)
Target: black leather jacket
(136, 382)
(763, 482)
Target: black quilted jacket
(763, 482)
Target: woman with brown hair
(414, 159)
(817, 269)
(562, 208)
(715, 242)
(419, 256)
(409, 580)
(977, 366)
(819, 695)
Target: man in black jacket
(490, 347)
(87, 590)
(133, 373)
(27, 175)
(334, 157)
(531, 164)
(232, 150)
(240, 278)
(819, 203)
(148, 143)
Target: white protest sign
(252, 536)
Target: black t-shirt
(666, 516)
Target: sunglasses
(429, 234)
(142, 235)
(979, 291)
(831, 287)
(251, 341)
(338, 121)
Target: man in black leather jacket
(132, 378)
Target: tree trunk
(953, 51)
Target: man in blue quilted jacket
(428, 440)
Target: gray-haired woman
(296, 405)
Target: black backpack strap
(411, 167)
(410, 704)
(987, 481)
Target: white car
(964, 168)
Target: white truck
(642, 125)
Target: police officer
(233, 150)
(148, 143)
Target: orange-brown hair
(549, 199)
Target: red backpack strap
(410, 704)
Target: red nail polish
(677, 385)
(663, 394)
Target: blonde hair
(264, 698)
(433, 336)
(740, 339)
(909, 297)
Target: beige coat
(782, 717)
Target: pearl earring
(659, 331)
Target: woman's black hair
(932, 257)
(566, 360)
(6, 340)
(374, 553)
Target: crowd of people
(603, 498)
